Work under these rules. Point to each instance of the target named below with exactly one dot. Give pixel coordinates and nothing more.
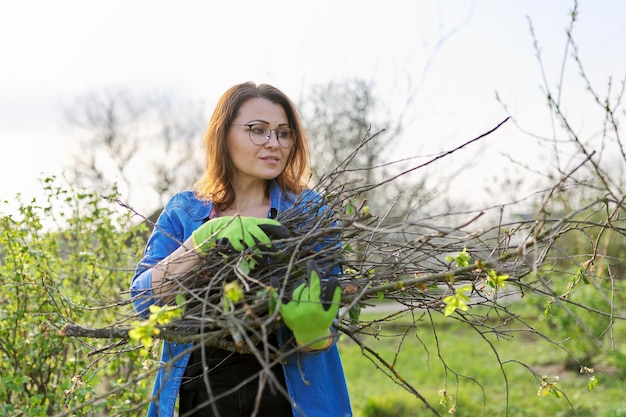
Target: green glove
(309, 313)
(239, 232)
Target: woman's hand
(238, 232)
(309, 313)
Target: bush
(390, 405)
(60, 263)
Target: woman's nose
(272, 143)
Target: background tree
(147, 144)
(352, 145)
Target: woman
(257, 167)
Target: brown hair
(215, 184)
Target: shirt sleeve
(166, 237)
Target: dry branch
(403, 255)
(405, 260)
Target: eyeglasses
(261, 134)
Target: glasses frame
(269, 136)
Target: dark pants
(237, 404)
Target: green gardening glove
(238, 232)
(309, 313)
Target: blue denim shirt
(315, 381)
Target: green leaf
(180, 300)
(582, 274)
(355, 312)
(246, 265)
(458, 300)
(450, 306)
(462, 259)
(233, 291)
(494, 280)
(272, 300)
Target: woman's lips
(271, 159)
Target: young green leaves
(159, 315)
(460, 299)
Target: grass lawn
(458, 359)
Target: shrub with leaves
(65, 260)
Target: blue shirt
(315, 380)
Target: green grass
(474, 381)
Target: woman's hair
(215, 184)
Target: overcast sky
(55, 51)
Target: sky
(451, 57)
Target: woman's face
(257, 162)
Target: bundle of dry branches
(380, 257)
(414, 264)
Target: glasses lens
(285, 137)
(260, 134)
